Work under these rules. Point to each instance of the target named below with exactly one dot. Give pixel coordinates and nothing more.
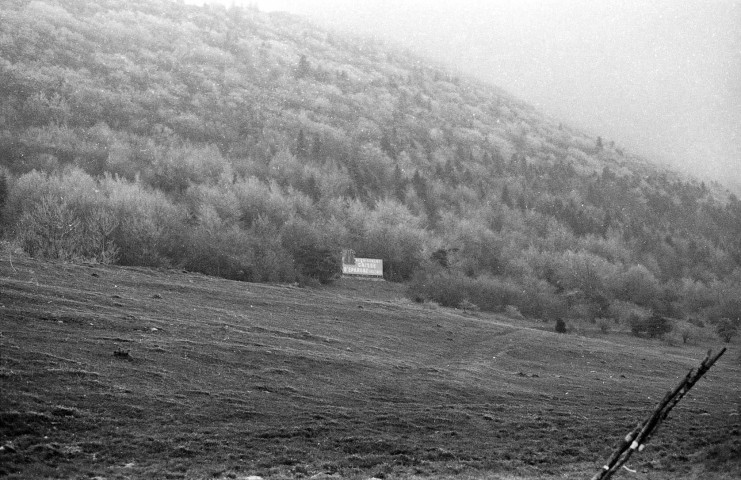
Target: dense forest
(255, 146)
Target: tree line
(254, 147)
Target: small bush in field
(560, 325)
(656, 326)
(57, 229)
(448, 290)
(513, 311)
(604, 325)
(726, 329)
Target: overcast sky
(660, 77)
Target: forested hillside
(255, 146)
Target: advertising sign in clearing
(363, 266)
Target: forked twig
(636, 440)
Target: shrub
(221, 198)
(726, 329)
(313, 249)
(686, 334)
(538, 299)
(389, 232)
(658, 326)
(560, 325)
(50, 230)
(448, 290)
(636, 285)
(623, 311)
(513, 312)
(27, 190)
(467, 305)
(271, 261)
(582, 271)
(694, 295)
(63, 217)
(480, 248)
(55, 229)
(176, 168)
(258, 199)
(636, 324)
(689, 333)
(655, 326)
(213, 248)
(728, 305)
(439, 256)
(489, 293)
(149, 226)
(321, 263)
(496, 293)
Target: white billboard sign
(361, 266)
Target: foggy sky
(662, 78)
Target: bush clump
(655, 326)
(489, 293)
(467, 305)
(320, 263)
(560, 325)
(726, 329)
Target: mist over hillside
(659, 78)
(255, 146)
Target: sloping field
(110, 372)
